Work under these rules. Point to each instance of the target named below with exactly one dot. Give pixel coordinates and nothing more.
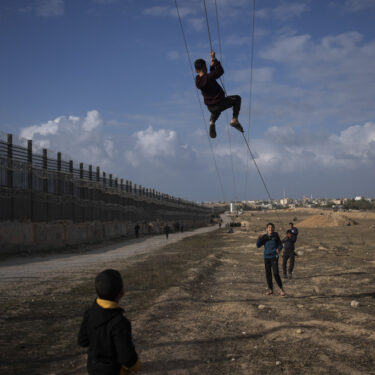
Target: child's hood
(100, 315)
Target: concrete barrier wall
(17, 237)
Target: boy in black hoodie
(106, 331)
(289, 242)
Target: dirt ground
(198, 306)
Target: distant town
(356, 203)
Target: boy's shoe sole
(237, 126)
(212, 131)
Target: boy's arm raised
(216, 70)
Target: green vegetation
(362, 204)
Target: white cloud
(321, 79)
(358, 5)
(158, 147)
(80, 138)
(105, 1)
(173, 55)
(283, 11)
(49, 8)
(159, 159)
(167, 11)
(196, 23)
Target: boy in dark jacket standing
(214, 96)
(106, 331)
(289, 242)
(272, 247)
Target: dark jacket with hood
(107, 334)
(271, 243)
(212, 92)
(289, 244)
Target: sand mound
(327, 220)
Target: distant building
(284, 201)
(336, 201)
(358, 198)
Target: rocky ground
(198, 307)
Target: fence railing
(29, 173)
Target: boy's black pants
(228, 102)
(291, 262)
(272, 265)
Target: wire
(199, 100)
(226, 113)
(251, 89)
(260, 175)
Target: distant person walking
(288, 253)
(136, 230)
(272, 247)
(166, 231)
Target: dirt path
(38, 267)
(198, 307)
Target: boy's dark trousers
(228, 102)
(291, 263)
(272, 265)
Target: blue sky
(107, 82)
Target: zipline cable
(226, 113)
(251, 90)
(261, 177)
(199, 100)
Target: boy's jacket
(289, 244)
(211, 90)
(107, 334)
(271, 243)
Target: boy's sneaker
(212, 130)
(237, 126)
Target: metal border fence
(38, 187)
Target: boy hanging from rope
(214, 96)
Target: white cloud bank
(157, 157)
(49, 8)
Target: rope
(226, 113)
(199, 100)
(251, 89)
(208, 25)
(261, 177)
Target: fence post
(81, 193)
(10, 173)
(30, 162)
(90, 172)
(71, 172)
(45, 178)
(30, 174)
(98, 174)
(110, 179)
(59, 176)
(122, 184)
(104, 180)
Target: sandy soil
(211, 316)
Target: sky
(108, 83)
